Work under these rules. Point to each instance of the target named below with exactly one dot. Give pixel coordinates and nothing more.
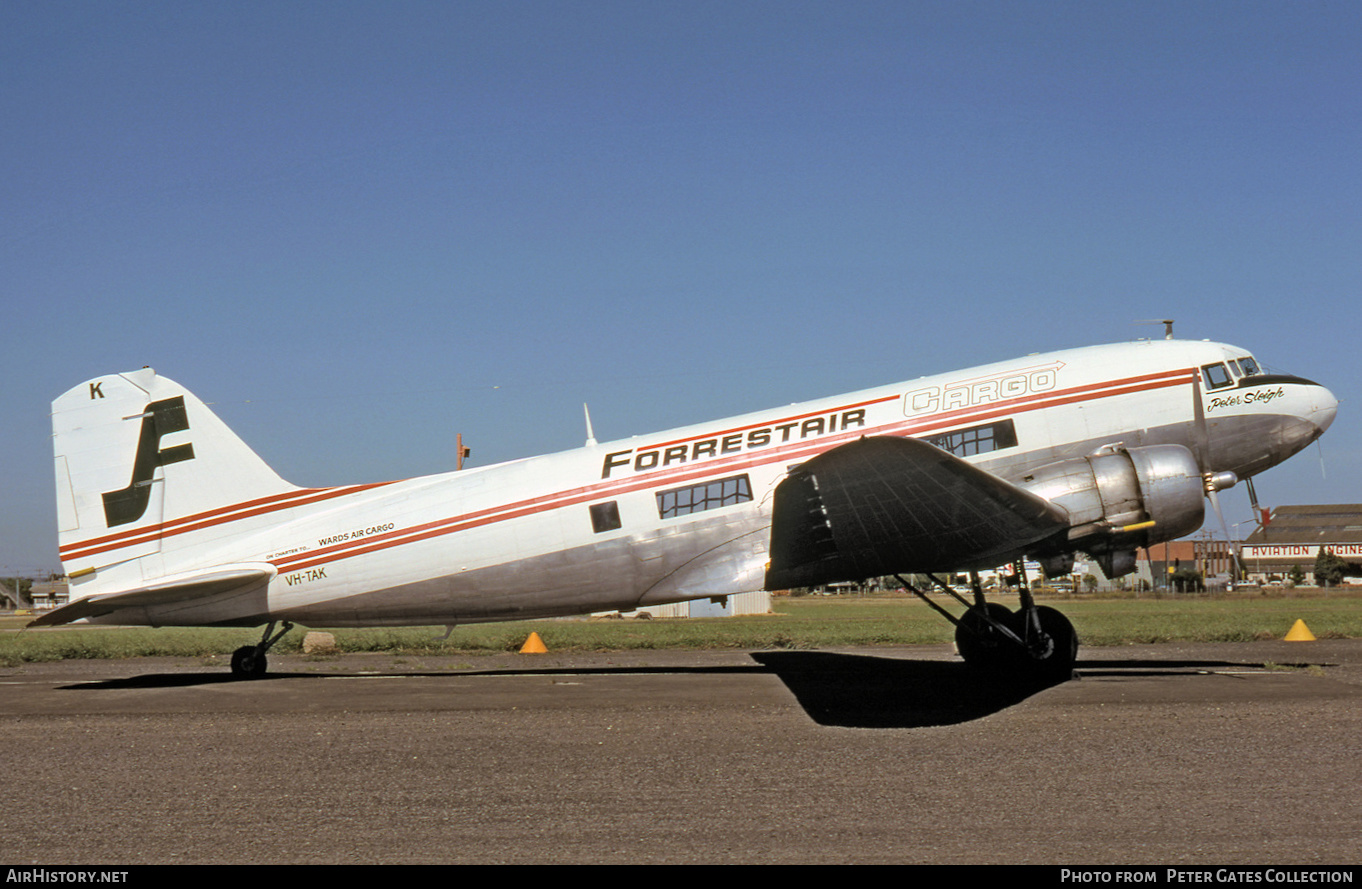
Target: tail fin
(138, 456)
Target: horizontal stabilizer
(170, 591)
(883, 505)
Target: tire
(246, 664)
(1055, 661)
(979, 642)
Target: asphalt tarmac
(1162, 754)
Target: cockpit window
(1217, 376)
(1250, 366)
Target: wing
(188, 590)
(883, 505)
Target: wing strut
(910, 587)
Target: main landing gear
(1035, 640)
(248, 661)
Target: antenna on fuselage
(590, 435)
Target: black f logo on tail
(161, 418)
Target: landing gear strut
(1035, 639)
(248, 661)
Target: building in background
(1295, 535)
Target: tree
(1329, 568)
(1187, 580)
(21, 585)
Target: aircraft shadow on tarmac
(189, 680)
(834, 689)
(847, 690)
(864, 691)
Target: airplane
(168, 519)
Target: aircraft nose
(1324, 407)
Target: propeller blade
(1201, 439)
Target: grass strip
(801, 623)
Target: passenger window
(698, 498)
(977, 439)
(1217, 376)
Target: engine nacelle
(1121, 498)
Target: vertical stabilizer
(137, 457)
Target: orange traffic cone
(535, 645)
(1300, 633)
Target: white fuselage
(686, 513)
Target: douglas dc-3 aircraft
(168, 519)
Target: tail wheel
(246, 664)
(248, 661)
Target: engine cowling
(1121, 498)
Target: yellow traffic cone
(1300, 633)
(535, 645)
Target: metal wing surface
(882, 505)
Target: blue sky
(358, 229)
